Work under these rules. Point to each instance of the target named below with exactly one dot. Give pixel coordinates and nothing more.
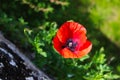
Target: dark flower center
(71, 44)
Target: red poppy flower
(71, 41)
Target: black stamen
(71, 45)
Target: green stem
(74, 62)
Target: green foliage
(100, 70)
(41, 40)
(13, 26)
(42, 37)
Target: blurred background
(31, 25)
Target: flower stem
(74, 62)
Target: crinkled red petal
(76, 27)
(57, 44)
(64, 33)
(66, 53)
(80, 39)
(84, 50)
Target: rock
(16, 66)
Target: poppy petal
(66, 53)
(80, 39)
(64, 33)
(85, 49)
(76, 27)
(57, 44)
